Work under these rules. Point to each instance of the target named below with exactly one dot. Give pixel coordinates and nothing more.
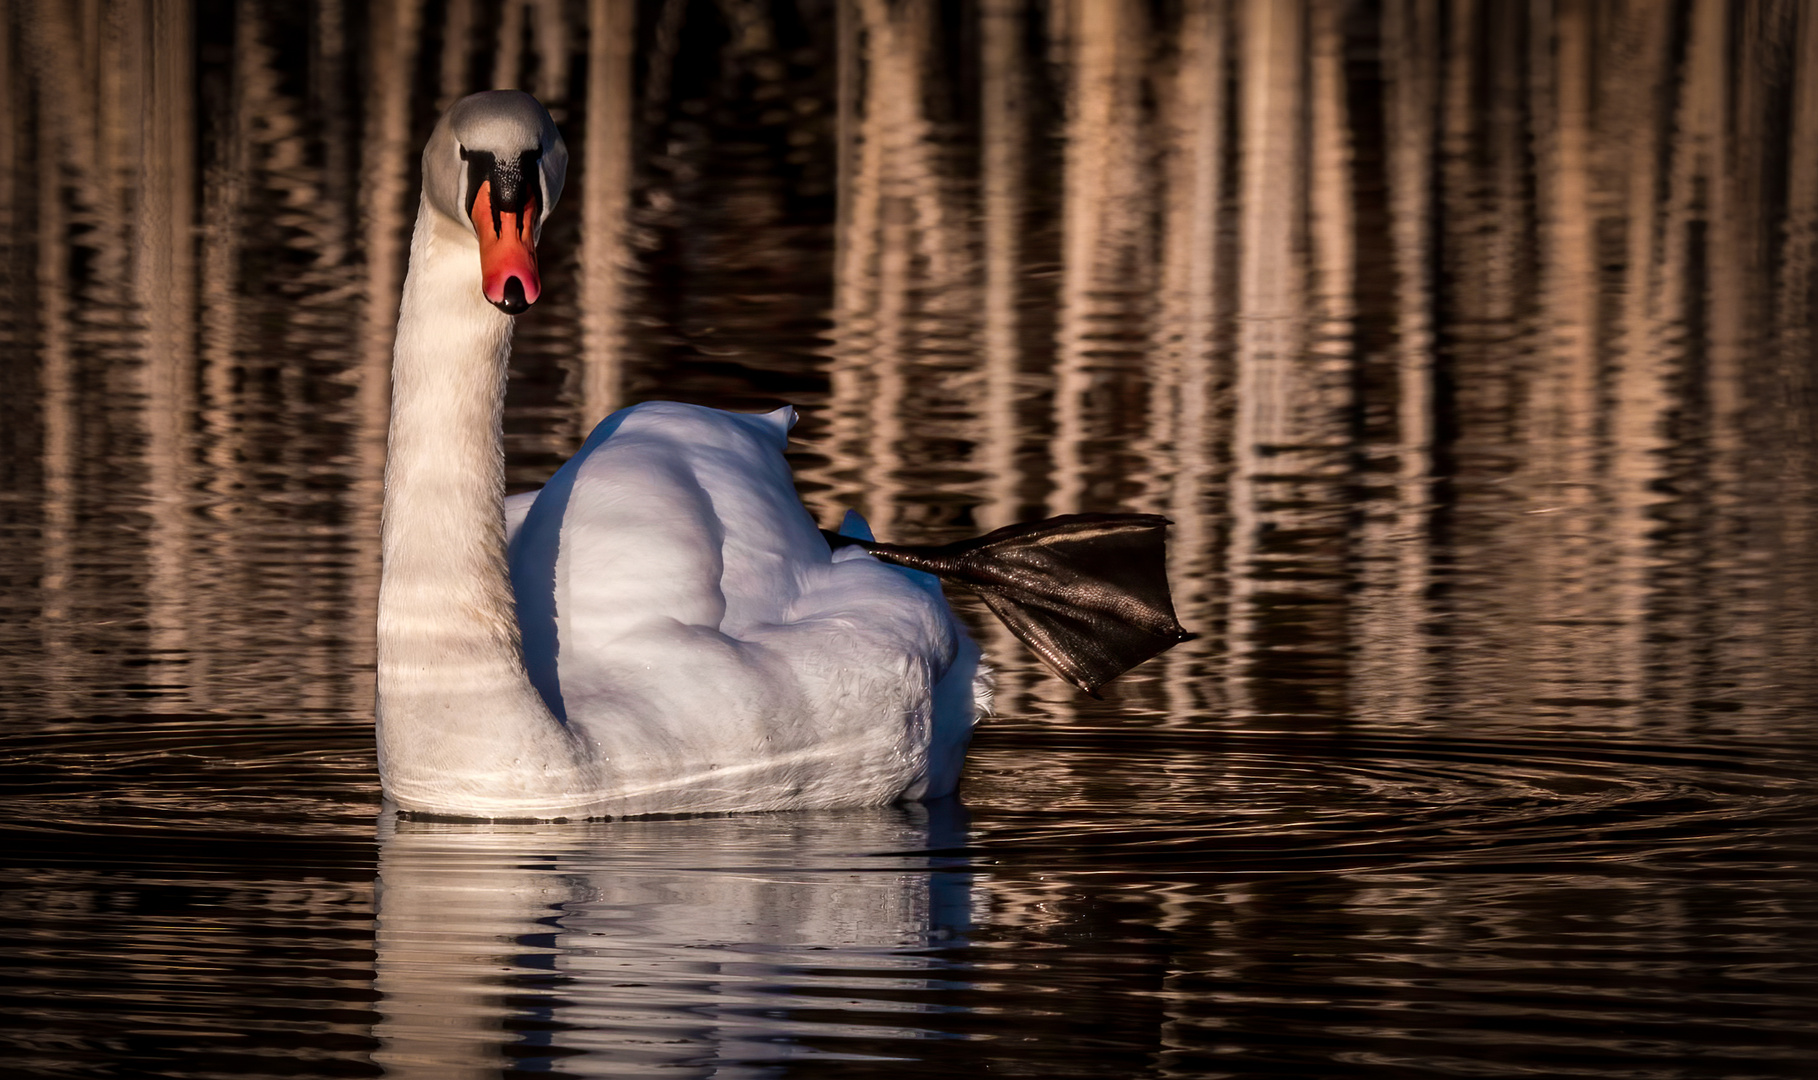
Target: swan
(661, 628)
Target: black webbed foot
(1087, 592)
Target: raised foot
(1087, 592)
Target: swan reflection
(695, 944)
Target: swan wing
(678, 605)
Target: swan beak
(508, 253)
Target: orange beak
(508, 253)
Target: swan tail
(1088, 593)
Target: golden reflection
(605, 197)
(459, 21)
(1288, 396)
(158, 79)
(1798, 323)
(902, 274)
(219, 340)
(1003, 182)
(1190, 331)
(386, 211)
(540, 25)
(57, 582)
(1566, 499)
(222, 482)
(1106, 249)
(507, 40)
(1003, 178)
(552, 35)
(1724, 130)
(1486, 257)
(1461, 324)
(1389, 673)
(1644, 350)
(12, 155)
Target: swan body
(661, 628)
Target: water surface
(1469, 347)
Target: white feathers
(672, 634)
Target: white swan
(689, 642)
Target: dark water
(1469, 346)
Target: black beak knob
(513, 302)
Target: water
(1468, 346)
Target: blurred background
(1429, 325)
(1469, 346)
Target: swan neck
(444, 539)
(455, 708)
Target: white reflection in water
(677, 947)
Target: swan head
(495, 162)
